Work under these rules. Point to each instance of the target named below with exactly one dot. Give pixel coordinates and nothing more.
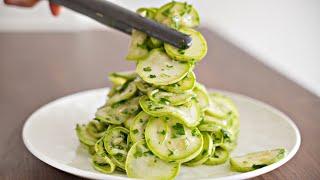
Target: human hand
(55, 9)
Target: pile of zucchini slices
(158, 118)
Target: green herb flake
(170, 153)
(135, 131)
(179, 129)
(152, 76)
(147, 69)
(169, 66)
(163, 132)
(258, 166)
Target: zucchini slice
(159, 69)
(115, 143)
(120, 78)
(205, 153)
(147, 12)
(128, 123)
(102, 163)
(202, 95)
(138, 126)
(84, 137)
(177, 14)
(189, 114)
(126, 93)
(219, 156)
(96, 129)
(186, 84)
(221, 106)
(119, 112)
(143, 86)
(172, 141)
(175, 99)
(256, 160)
(141, 163)
(225, 122)
(138, 49)
(194, 53)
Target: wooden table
(36, 68)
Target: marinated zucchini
(194, 53)
(256, 160)
(142, 163)
(159, 69)
(172, 141)
(158, 117)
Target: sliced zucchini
(90, 149)
(219, 156)
(125, 94)
(141, 163)
(119, 112)
(99, 147)
(186, 84)
(156, 43)
(138, 126)
(138, 49)
(159, 69)
(225, 122)
(120, 78)
(172, 141)
(102, 163)
(177, 14)
(127, 123)
(205, 153)
(202, 95)
(194, 53)
(147, 12)
(115, 143)
(175, 99)
(84, 136)
(143, 86)
(256, 160)
(189, 114)
(221, 106)
(96, 129)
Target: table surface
(36, 68)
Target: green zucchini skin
(205, 152)
(186, 84)
(256, 160)
(219, 156)
(142, 163)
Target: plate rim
(94, 175)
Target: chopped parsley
(258, 166)
(152, 76)
(163, 132)
(147, 69)
(179, 129)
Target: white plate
(49, 135)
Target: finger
(55, 9)
(23, 3)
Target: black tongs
(125, 20)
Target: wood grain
(36, 68)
